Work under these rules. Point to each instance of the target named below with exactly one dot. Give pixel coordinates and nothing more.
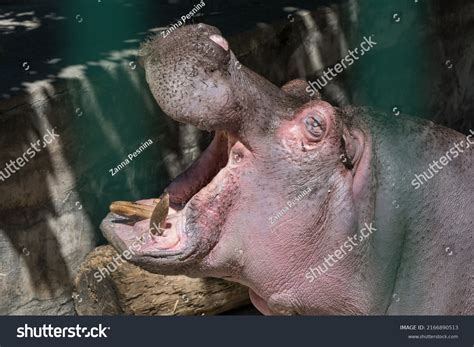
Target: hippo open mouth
(177, 239)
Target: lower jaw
(259, 303)
(139, 239)
(171, 240)
(183, 247)
(183, 240)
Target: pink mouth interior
(181, 191)
(140, 233)
(201, 172)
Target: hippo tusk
(158, 217)
(131, 209)
(157, 213)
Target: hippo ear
(300, 89)
(352, 147)
(357, 148)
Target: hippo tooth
(131, 209)
(158, 217)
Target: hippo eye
(314, 125)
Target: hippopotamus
(318, 210)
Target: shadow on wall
(422, 64)
(26, 207)
(58, 197)
(102, 112)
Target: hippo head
(278, 188)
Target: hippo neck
(409, 230)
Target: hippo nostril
(220, 41)
(237, 157)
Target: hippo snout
(189, 71)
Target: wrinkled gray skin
(273, 144)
